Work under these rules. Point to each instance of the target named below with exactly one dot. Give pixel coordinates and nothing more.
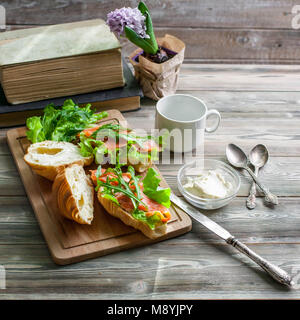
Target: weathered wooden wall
(214, 30)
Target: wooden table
(259, 104)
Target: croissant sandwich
(111, 143)
(74, 193)
(45, 158)
(138, 203)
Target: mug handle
(216, 125)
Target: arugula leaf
(151, 183)
(134, 199)
(128, 193)
(61, 124)
(122, 186)
(111, 198)
(135, 181)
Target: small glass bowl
(201, 166)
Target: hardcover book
(126, 98)
(59, 60)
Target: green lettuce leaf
(35, 132)
(151, 183)
(61, 123)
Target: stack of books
(59, 60)
(125, 98)
(80, 60)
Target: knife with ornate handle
(273, 270)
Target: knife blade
(198, 216)
(274, 271)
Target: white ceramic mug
(185, 115)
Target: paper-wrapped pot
(159, 79)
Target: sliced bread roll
(74, 193)
(116, 211)
(46, 157)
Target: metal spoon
(258, 157)
(238, 159)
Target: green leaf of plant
(138, 41)
(142, 7)
(150, 32)
(149, 26)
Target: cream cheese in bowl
(210, 185)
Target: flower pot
(159, 79)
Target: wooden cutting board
(69, 241)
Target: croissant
(116, 211)
(45, 158)
(74, 194)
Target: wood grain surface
(197, 265)
(180, 13)
(216, 31)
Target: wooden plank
(226, 77)
(281, 174)
(240, 123)
(242, 45)
(238, 44)
(279, 171)
(196, 270)
(172, 13)
(18, 224)
(220, 273)
(70, 242)
(278, 130)
(269, 105)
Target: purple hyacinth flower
(132, 18)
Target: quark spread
(210, 185)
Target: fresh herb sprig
(160, 196)
(122, 186)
